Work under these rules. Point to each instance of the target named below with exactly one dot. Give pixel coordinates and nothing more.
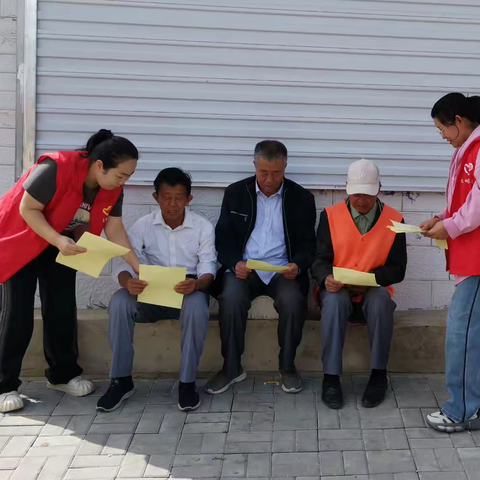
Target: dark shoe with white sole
(291, 381)
(221, 383)
(120, 389)
(188, 397)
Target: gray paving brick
(463, 440)
(196, 471)
(159, 466)
(76, 406)
(327, 418)
(424, 433)
(355, 463)
(258, 465)
(190, 443)
(349, 416)
(221, 403)
(83, 461)
(445, 442)
(306, 441)
(58, 440)
(412, 417)
(16, 431)
(396, 439)
(163, 386)
(382, 418)
(213, 443)
(17, 421)
(284, 403)
(208, 417)
(206, 428)
(405, 476)
(134, 465)
(18, 446)
(475, 436)
(117, 416)
(295, 420)
(91, 473)
(92, 445)
(284, 441)
(109, 428)
(262, 421)
(173, 423)
(247, 447)
(55, 451)
(420, 399)
(55, 468)
(3, 442)
(29, 468)
(153, 444)
(295, 464)
(234, 466)
(117, 444)
(9, 463)
(149, 423)
(55, 426)
(374, 440)
(6, 474)
(395, 461)
(331, 463)
(426, 460)
(471, 461)
(448, 459)
(79, 425)
(443, 476)
(241, 421)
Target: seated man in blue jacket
(269, 218)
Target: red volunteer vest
(463, 253)
(19, 244)
(355, 251)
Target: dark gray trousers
(235, 301)
(378, 308)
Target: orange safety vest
(356, 251)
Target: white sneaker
(439, 421)
(10, 401)
(77, 387)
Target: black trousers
(59, 312)
(235, 301)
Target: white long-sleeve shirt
(267, 241)
(190, 245)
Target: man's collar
(279, 192)
(187, 221)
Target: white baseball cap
(363, 178)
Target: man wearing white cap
(353, 234)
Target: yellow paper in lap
(264, 266)
(353, 277)
(403, 228)
(161, 281)
(99, 252)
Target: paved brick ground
(257, 431)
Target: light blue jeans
(462, 351)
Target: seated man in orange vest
(353, 234)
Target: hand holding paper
(265, 267)
(161, 283)
(403, 228)
(99, 252)
(353, 277)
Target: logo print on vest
(107, 210)
(468, 168)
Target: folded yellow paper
(99, 252)
(264, 266)
(161, 281)
(353, 277)
(403, 228)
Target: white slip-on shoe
(439, 421)
(10, 401)
(77, 387)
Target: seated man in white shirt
(170, 237)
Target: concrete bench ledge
(418, 346)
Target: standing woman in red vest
(457, 119)
(62, 196)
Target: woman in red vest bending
(63, 195)
(457, 119)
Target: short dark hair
(271, 150)
(173, 176)
(453, 104)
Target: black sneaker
(376, 389)
(291, 381)
(120, 389)
(188, 397)
(332, 395)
